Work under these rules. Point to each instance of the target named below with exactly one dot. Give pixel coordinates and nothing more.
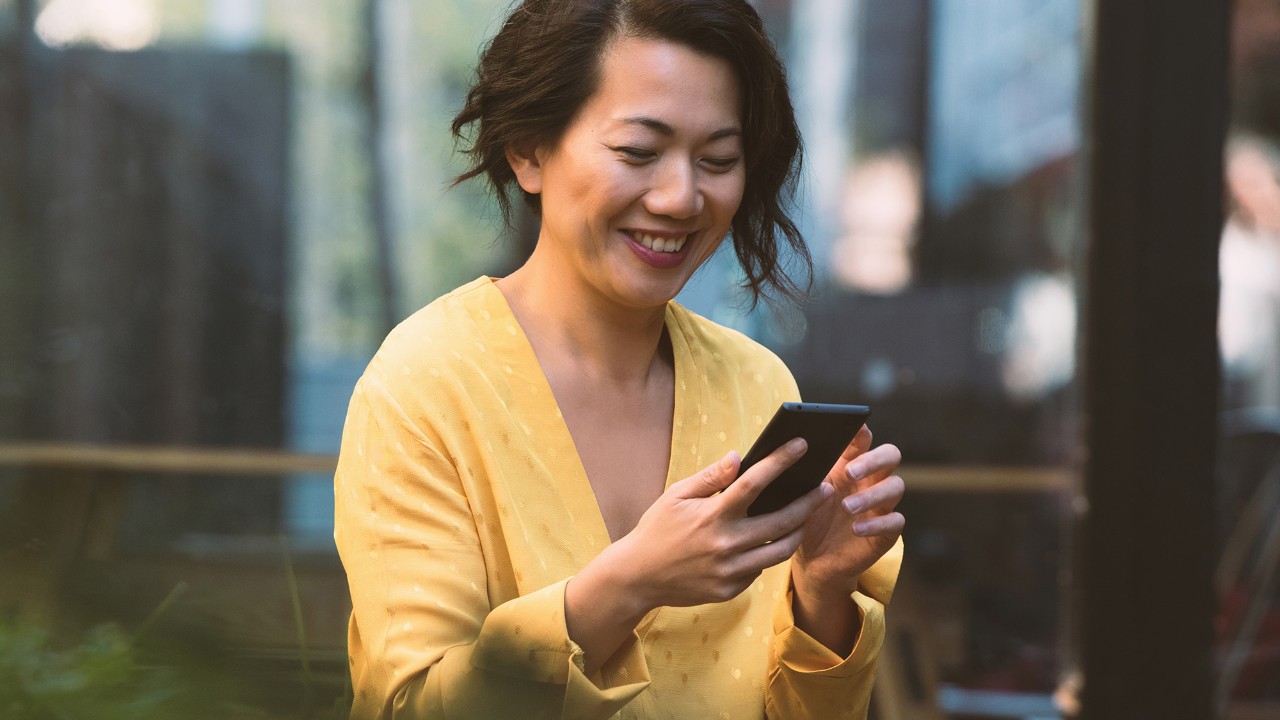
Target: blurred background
(211, 211)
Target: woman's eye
(721, 163)
(632, 154)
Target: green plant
(110, 673)
(101, 677)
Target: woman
(536, 503)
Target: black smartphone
(827, 428)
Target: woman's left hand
(857, 525)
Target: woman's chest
(624, 446)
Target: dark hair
(544, 63)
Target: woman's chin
(649, 292)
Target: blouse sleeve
(424, 640)
(807, 680)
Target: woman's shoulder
(430, 346)
(724, 344)
(440, 326)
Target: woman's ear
(527, 166)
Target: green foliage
(164, 668)
(100, 678)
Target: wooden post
(1157, 125)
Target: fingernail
(860, 527)
(856, 470)
(726, 463)
(827, 490)
(797, 446)
(853, 504)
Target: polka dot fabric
(462, 509)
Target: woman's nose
(675, 191)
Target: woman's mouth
(660, 244)
(658, 251)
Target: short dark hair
(544, 64)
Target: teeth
(664, 245)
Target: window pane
(1248, 623)
(211, 212)
(942, 205)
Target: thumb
(711, 479)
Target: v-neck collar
(575, 488)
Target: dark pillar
(1157, 123)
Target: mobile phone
(827, 429)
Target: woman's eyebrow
(665, 129)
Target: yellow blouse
(463, 509)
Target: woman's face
(645, 181)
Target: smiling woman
(540, 69)
(537, 500)
(650, 170)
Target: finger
(874, 464)
(858, 446)
(882, 496)
(770, 554)
(860, 443)
(772, 526)
(749, 485)
(883, 525)
(709, 480)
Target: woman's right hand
(696, 545)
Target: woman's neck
(573, 325)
